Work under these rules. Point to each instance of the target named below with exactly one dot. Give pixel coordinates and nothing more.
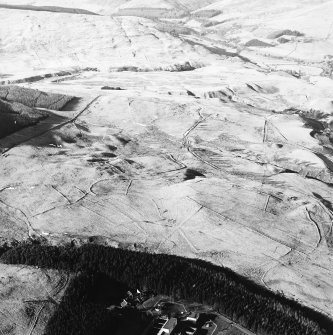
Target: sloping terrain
(28, 296)
(31, 45)
(55, 9)
(34, 98)
(106, 7)
(18, 107)
(15, 116)
(225, 181)
(214, 139)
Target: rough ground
(27, 297)
(230, 161)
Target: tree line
(247, 303)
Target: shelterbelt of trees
(251, 305)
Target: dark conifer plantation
(251, 305)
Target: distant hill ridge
(48, 9)
(105, 7)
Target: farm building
(168, 327)
(193, 317)
(124, 303)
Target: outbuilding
(168, 327)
